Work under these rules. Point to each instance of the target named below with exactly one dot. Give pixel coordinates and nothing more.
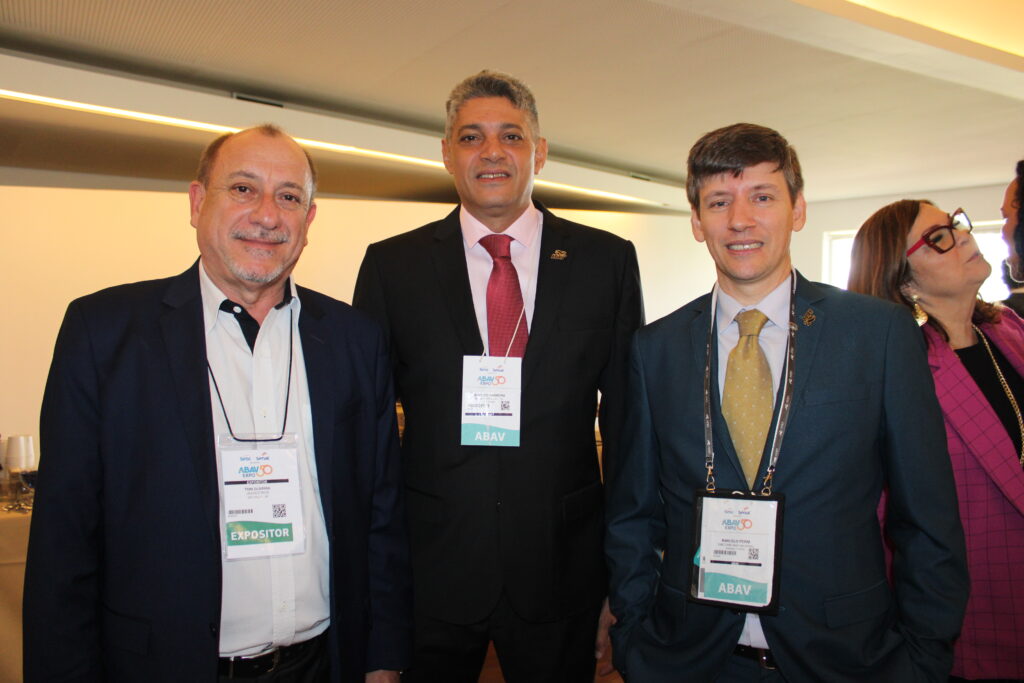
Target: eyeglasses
(941, 238)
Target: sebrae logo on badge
(254, 471)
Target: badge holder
(737, 550)
(492, 388)
(737, 536)
(261, 496)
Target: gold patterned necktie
(747, 396)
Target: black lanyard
(787, 398)
(287, 392)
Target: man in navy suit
(219, 491)
(741, 554)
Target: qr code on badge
(280, 510)
(753, 554)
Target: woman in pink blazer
(912, 253)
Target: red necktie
(504, 300)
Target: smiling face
(746, 222)
(954, 275)
(253, 215)
(493, 155)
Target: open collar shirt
(267, 602)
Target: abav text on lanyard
(738, 533)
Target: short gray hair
(491, 84)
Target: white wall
(63, 241)
(980, 203)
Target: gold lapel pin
(809, 318)
(559, 254)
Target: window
(988, 234)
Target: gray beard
(256, 276)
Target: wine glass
(28, 482)
(24, 483)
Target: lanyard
(787, 397)
(287, 391)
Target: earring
(919, 313)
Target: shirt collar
(212, 297)
(524, 229)
(775, 305)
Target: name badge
(738, 542)
(261, 498)
(491, 389)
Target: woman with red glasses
(914, 254)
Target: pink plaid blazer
(990, 484)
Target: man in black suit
(219, 490)
(699, 508)
(506, 540)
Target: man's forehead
(488, 109)
(242, 155)
(749, 178)
(500, 124)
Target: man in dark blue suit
(219, 492)
(745, 546)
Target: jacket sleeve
(369, 295)
(636, 526)
(629, 317)
(62, 574)
(923, 523)
(390, 638)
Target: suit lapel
(810, 320)
(184, 339)
(725, 453)
(322, 378)
(806, 299)
(449, 257)
(552, 276)
(963, 401)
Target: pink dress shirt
(525, 233)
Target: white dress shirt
(525, 248)
(773, 340)
(267, 602)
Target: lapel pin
(809, 318)
(559, 255)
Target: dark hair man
(764, 421)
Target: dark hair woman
(913, 253)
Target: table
(13, 546)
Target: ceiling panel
(626, 85)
